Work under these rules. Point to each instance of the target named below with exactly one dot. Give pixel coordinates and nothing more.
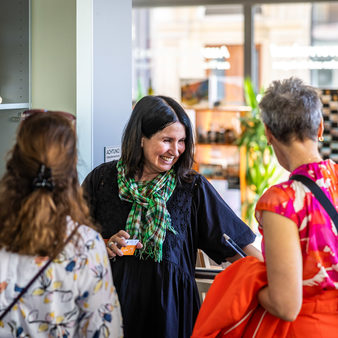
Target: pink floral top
(317, 232)
(74, 297)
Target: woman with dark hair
(152, 114)
(43, 216)
(152, 195)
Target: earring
(320, 138)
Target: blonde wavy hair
(34, 221)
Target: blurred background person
(300, 242)
(41, 205)
(151, 194)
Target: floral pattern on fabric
(317, 232)
(74, 297)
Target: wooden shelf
(223, 178)
(216, 144)
(220, 109)
(226, 156)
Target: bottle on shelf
(212, 133)
(150, 88)
(201, 135)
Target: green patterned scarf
(148, 218)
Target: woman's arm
(283, 296)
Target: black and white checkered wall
(329, 147)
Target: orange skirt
(231, 309)
(318, 318)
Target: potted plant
(260, 163)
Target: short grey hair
(291, 110)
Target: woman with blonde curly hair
(44, 219)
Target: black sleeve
(214, 217)
(93, 185)
(106, 208)
(89, 190)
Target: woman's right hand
(117, 241)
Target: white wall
(53, 50)
(81, 63)
(104, 99)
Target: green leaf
(261, 165)
(250, 95)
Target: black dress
(161, 299)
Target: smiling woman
(162, 150)
(152, 195)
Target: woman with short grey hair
(291, 109)
(300, 242)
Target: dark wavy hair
(150, 115)
(34, 221)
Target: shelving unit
(220, 159)
(14, 71)
(217, 156)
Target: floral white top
(74, 297)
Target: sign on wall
(112, 153)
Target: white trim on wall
(84, 85)
(103, 77)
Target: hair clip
(43, 179)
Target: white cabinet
(14, 70)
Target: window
(307, 48)
(173, 45)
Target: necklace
(314, 159)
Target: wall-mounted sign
(290, 57)
(219, 52)
(215, 57)
(215, 64)
(112, 153)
